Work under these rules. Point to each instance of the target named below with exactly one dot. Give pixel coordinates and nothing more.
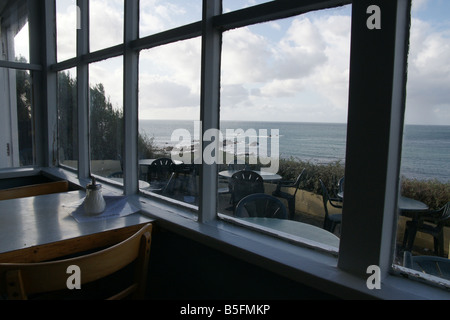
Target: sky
(294, 69)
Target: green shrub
(329, 173)
(431, 192)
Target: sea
(425, 153)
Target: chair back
(299, 180)
(22, 280)
(261, 205)
(445, 214)
(432, 265)
(160, 168)
(440, 217)
(325, 197)
(244, 183)
(341, 185)
(160, 173)
(34, 190)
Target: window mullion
(375, 122)
(209, 104)
(83, 92)
(130, 96)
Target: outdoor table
(407, 206)
(267, 176)
(148, 162)
(297, 229)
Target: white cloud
(428, 97)
(106, 23)
(245, 57)
(161, 15)
(296, 77)
(169, 83)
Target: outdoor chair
(288, 196)
(244, 183)
(160, 175)
(431, 222)
(232, 166)
(261, 205)
(112, 273)
(435, 266)
(340, 193)
(331, 220)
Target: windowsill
(314, 268)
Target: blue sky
(293, 69)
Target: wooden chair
(34, 190)
(20, 281)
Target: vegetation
(329, 173)
(431, 192)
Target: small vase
(94, 204)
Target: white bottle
(94, 203)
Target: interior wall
(182, 269)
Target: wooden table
(298, 229)
(41, 228)
(407, 206)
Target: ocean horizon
(425, 154)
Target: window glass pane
(425, 167)
(285, 90)
(68, 118)
(14, 35)
(231, 5)
(169, 111)
(17, 120)
(106, 118)
(106, 23)
(162, 15)
(67, 21)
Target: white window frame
(377, 97)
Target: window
(278, 67)
(157, 15)
(231, 5)
(284, 97)
(169, 114)
(425, 170)
(106, 118)
(17, 124)
(67, 19)
(14, 32)
(106, 23)
(68, 118)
